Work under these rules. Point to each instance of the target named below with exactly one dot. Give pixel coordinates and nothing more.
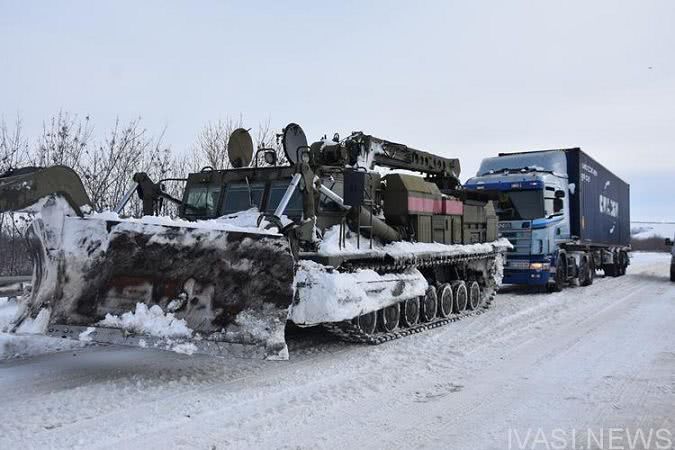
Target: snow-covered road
(593, 358)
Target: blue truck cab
(551, 222)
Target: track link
(350, 332)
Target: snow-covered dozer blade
(159, 283)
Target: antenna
(240, 148)
(292, 139)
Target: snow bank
(22, 345)
(38, 325)
(150, 321)
(646, 230)
(330, 246)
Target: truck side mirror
(557, 205)
(669, 242)
(559, 194)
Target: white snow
(152, 321)
(245, 221)
(38, 325)
(85, 336)
(645, 230)
(325, 295)
(330, 246)
(596, 357)
(25, 345)
(186, 348)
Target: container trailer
(566, 215)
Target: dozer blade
(162, 286)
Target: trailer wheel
(560, 275)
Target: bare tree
(108, 168)
(63, 141)
(13, 154)
(13, 146)
(269, 138)
(211, 147)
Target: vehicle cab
(532, 207)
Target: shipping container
(599, 202)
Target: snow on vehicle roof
(244, 221)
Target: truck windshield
(238, 197)
(202, 200)
(521, 205)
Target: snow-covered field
(586, 359)
(645, 230)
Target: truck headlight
(539, 266)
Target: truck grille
(521, 240)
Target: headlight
(539, 266)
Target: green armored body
(369, 238)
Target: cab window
(202, 200)
(242, 196)
(277, 191)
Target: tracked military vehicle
(334, 238)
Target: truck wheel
(560, 276)
(610, 270)
(672, 273)
(623, 263)
(585, 272)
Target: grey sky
(464, 79)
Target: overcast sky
(464, 79)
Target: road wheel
(367, 323)
(461, 295)
(429, 304)
(445, 300)
(410, 313)
(389, 318)
(560, 275)
(474, 295)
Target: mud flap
(223, 286)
